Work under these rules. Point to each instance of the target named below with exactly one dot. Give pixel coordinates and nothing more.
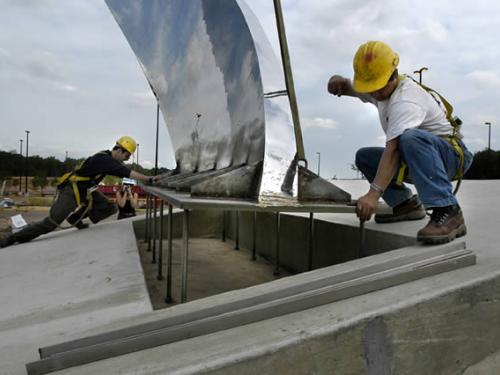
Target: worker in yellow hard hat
(77, 197)
(423, 146)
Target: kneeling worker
(422, 138)
(77, 189)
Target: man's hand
(337, 85)
(367, 204)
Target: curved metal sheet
(209, 64)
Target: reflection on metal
(239, 183)
(314, 188)
(221, 90)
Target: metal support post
(254, 235)
(155, 232)
(185, 255)
(311, 241)
(160, 245)
(361, 238)
(224, 226)
(237, 241)
(170, 234)
(277, 228)
(150, 203)
(146, 231)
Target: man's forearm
(139, 176)
(388, 165)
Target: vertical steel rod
(254, 235)
(311, 241)
(146, 231)
(237, 242)
(170, 219)
(155, 232)
(150, 203)
(361, 238)
(277, 228)
(160, 245)
(185, 255)
(223, 226)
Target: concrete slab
(448, 321)
(451, 319)
(63, 285)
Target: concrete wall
(442, 336)
(334, 243)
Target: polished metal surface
(210, 65)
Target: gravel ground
(30, 214)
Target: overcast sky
(68, 75)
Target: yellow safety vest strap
(401, 173)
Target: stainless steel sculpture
(222, 93)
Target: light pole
(20, 173)
(26, 163)
(66, 155)
(137, 154)
(489, 134)
(419, 72)
(319, 161)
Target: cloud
(320, 123)
(142, 99)
(44, 65)
(484, 79)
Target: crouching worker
(77, 190)
(423, 146)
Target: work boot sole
(414, 215)
(456, 233)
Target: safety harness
(452, 139)
(73, 178)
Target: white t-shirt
(410, 106)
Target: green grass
(40, 201)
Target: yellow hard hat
(373, 63)
(127, 143)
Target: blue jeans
(432, 163)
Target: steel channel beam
(250, 314)
(398, 258)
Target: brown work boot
(411, 209)
(445, 225)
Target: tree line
(14, 164)
(486, 165)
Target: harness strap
(452, 140)
(73, 178)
